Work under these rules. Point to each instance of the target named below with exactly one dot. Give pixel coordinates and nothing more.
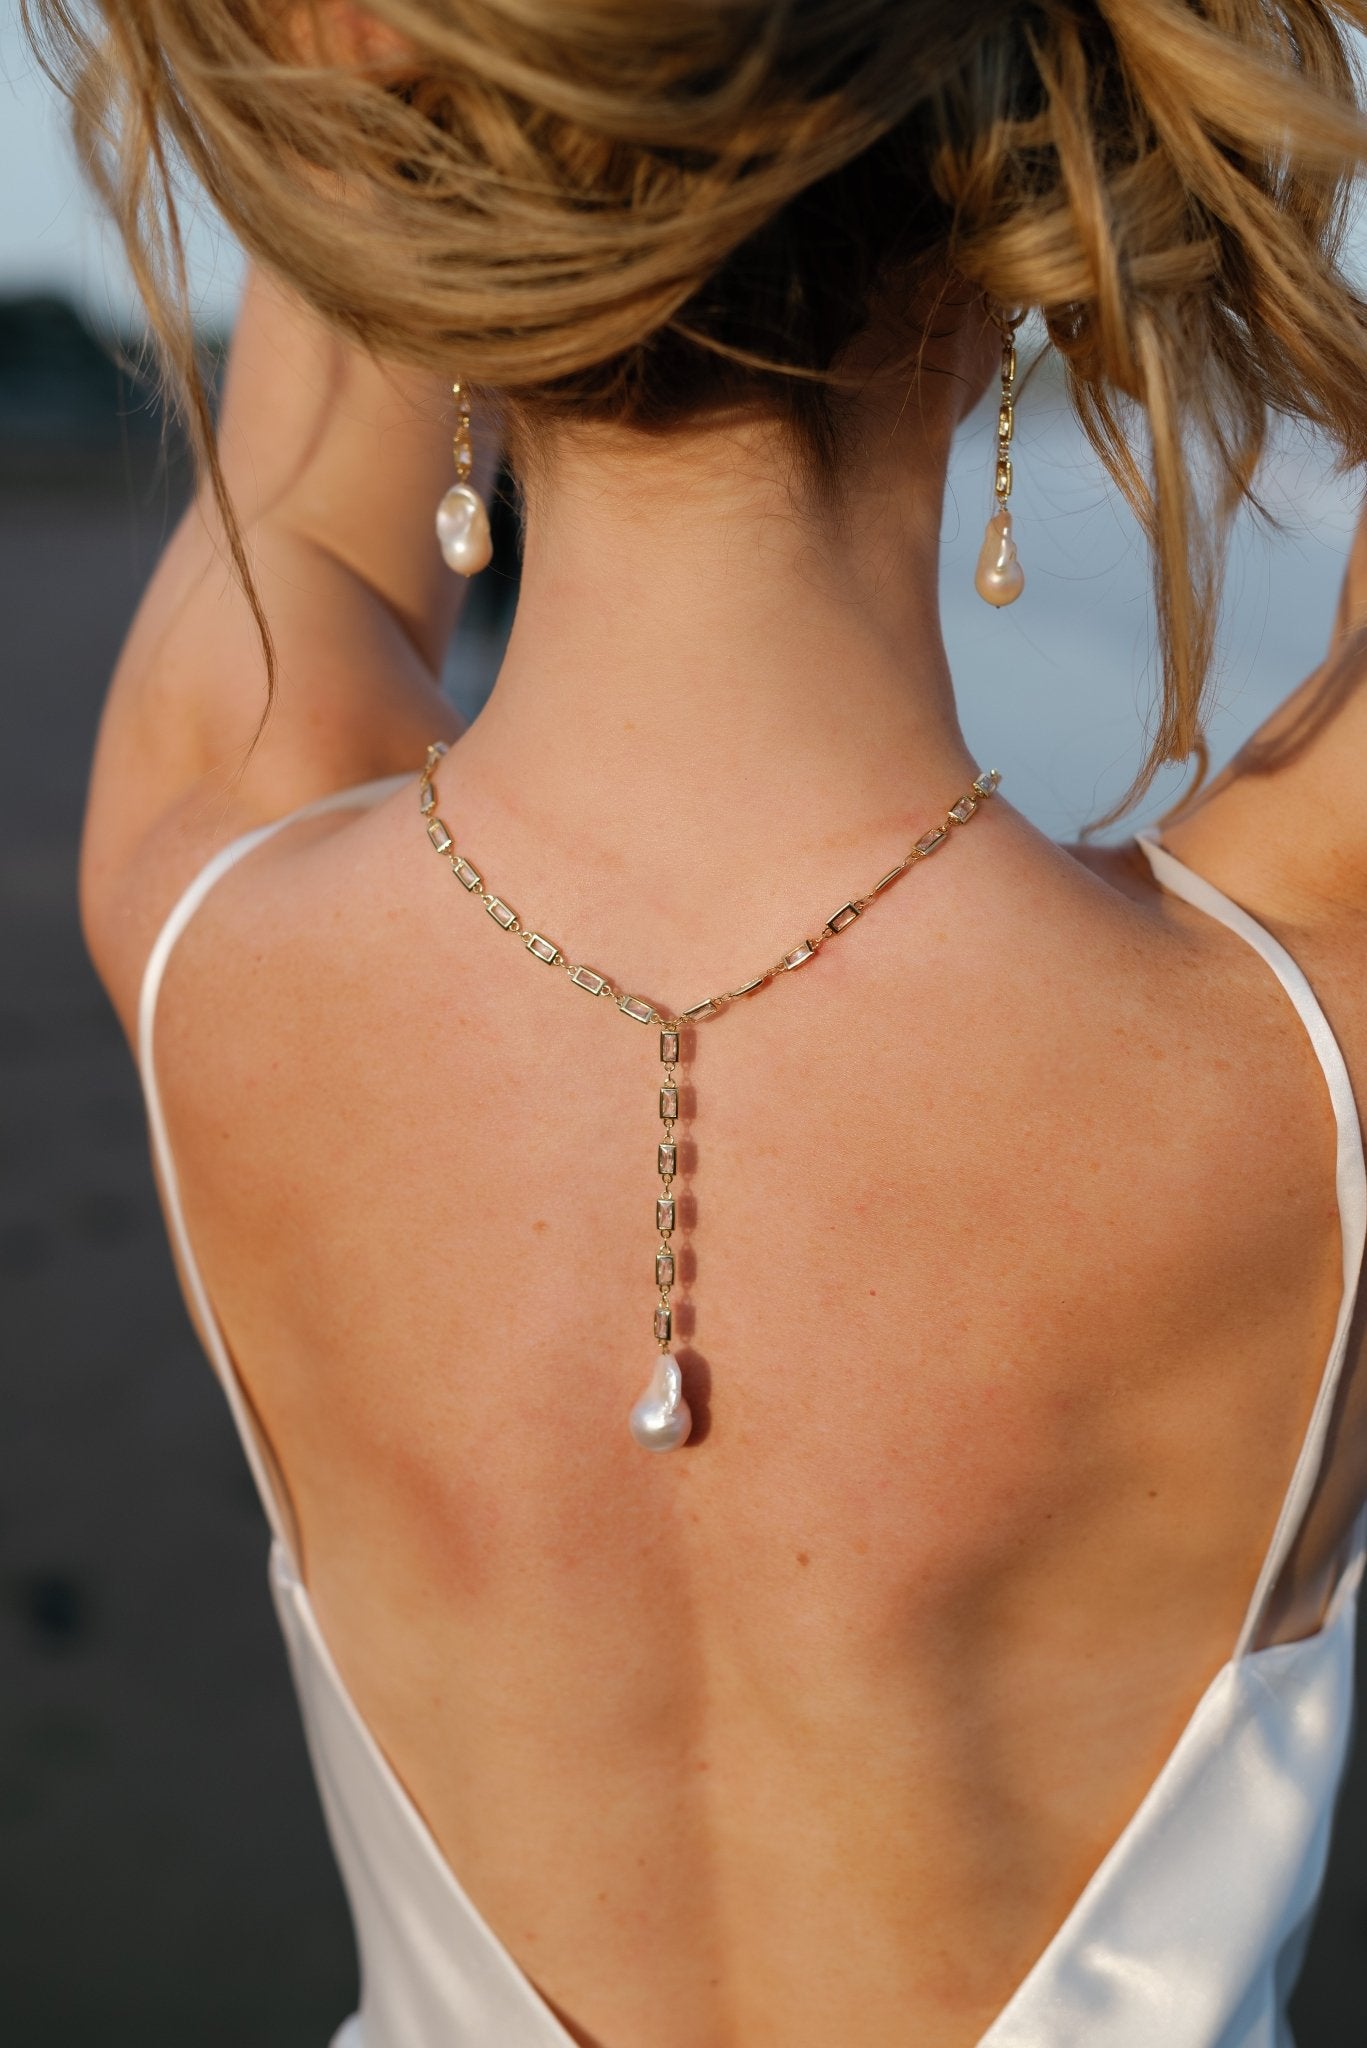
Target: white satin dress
(1189, 1934)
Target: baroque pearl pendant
(661, 1419)
(463, 531)
(1000, 577)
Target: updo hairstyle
(642, 211)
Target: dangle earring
(1000, 578)
(462, 520)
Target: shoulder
(185, 764)
(126, 902)
(1266, 1099)
(1282, 828)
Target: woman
(975, 1665)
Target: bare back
(1011, 1261)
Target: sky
(52, 236)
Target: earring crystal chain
(661, 1419)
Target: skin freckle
(803, 1558)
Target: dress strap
(1350, 1181)
(258, 1453)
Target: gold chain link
(960, 811)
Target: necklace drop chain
(660, 1420)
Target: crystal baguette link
(664, 1204)
(985, 784)
(542, 949)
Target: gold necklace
(661, 1420)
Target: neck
(699, 658)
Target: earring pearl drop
(999, 577)
(463, 531)
(462, 518)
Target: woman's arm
(335, 466)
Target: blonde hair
(638, 210)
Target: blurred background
(164, 1877)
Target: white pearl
(463, 531)
(1000, 577)
(661, 1419)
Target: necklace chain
(661, 1419)
(959, 813)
